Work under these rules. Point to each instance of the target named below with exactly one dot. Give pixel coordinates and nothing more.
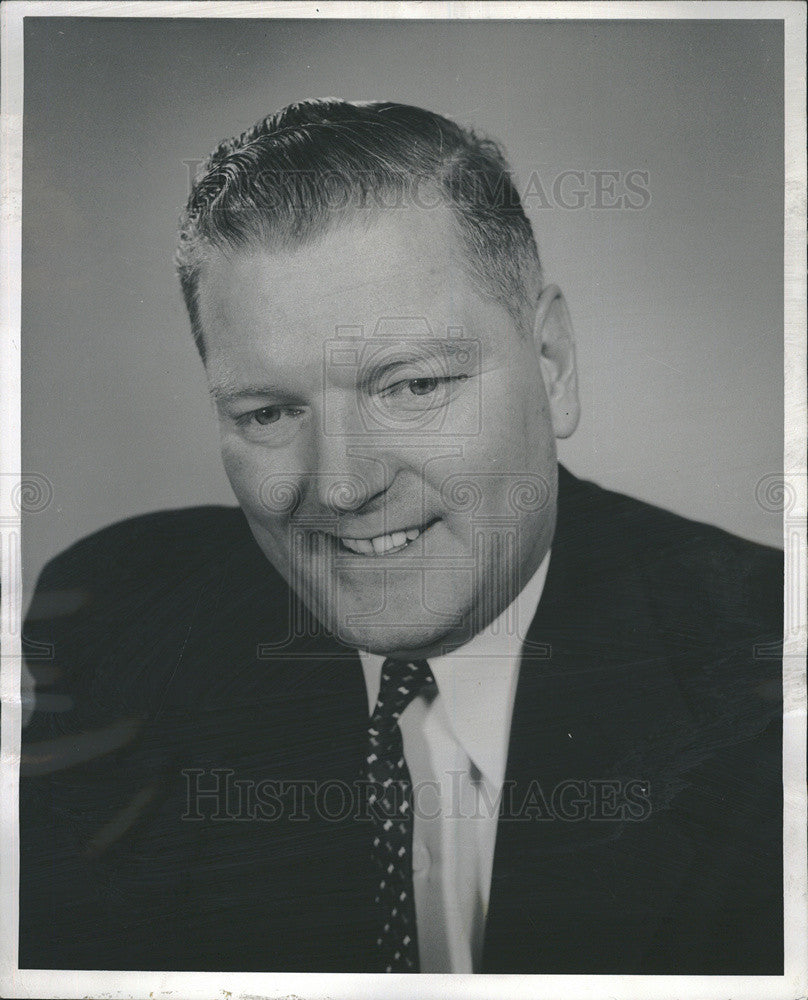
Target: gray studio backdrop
(677, 303)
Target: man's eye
(266, 415)
(270, 424)
(423, 386)
(430, 389)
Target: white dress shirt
(456, 747)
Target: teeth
(360, 545)
(382, 543)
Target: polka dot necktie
(390, 806)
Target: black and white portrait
(395, 524)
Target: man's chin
(414, 641)
(400, 615)
(415, 648)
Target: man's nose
(350, 469)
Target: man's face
(386, 428)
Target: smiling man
(351, 442)
(424, 701)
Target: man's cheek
(248, 478)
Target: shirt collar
(477, 681)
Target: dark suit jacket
(652, 664)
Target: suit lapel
(585, 713)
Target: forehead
(400, 275)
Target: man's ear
(552, 332)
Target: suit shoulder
(111, 615)
(673, 552)
(689, 605)
(161, 541)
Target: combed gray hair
(298, 172)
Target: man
(426, 702)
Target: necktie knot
(401, 681)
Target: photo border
(154, 985)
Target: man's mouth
(384, 545)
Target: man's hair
(291, 177)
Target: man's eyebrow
(383, 362)
(227, 391)
(404, 353)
